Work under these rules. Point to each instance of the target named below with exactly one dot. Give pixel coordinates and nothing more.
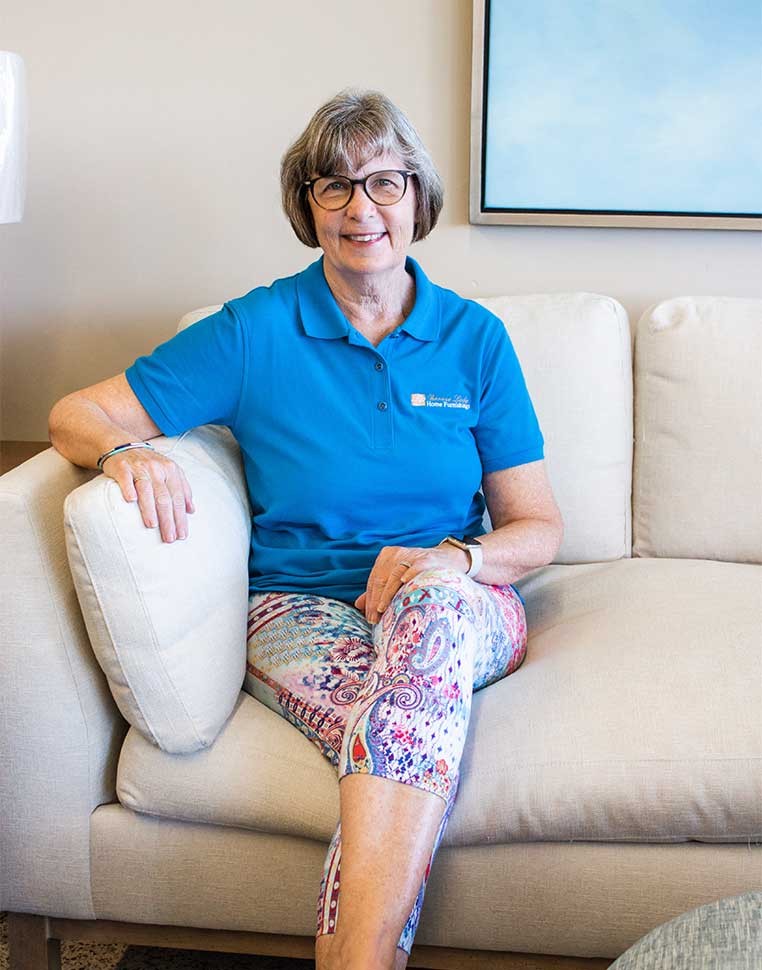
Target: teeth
(376, 235)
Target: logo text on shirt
(440, 401)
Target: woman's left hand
(397, 565)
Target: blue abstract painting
(639, 107)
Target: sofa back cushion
(697, 488)
(575, 351)
(167, 621)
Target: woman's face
(363, 237)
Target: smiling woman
(374, 410)
(363, 192)
(365, 240)
(346, 132)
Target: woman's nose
(359, 205)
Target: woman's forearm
(82, 431)
(513, 550)
(86, 424)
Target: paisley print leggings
(393, 699)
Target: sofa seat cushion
(636, 717)
(548, 897)
(260, 773)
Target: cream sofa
(611, 783)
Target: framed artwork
(606, 113)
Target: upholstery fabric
(580, 743)
(168, 620)
(261, 773)
(59, 730)
(574, 349)
(585, 899)
(697, 484)
(723, 935)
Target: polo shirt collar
(321, 315)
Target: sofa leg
(29, 945)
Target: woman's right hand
(158, 485)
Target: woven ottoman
(724, 935)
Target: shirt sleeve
(508, 432)
(194, 378)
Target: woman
(370, 405)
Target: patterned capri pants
(393, 699)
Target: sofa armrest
(60, 731)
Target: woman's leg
(442, 636)
(308, 659)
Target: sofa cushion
(697, 485)
(261, 773)
(580, 743)
(551, 898)
(574, 350)
(167, 621)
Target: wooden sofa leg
(29, 945)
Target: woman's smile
(364, 240)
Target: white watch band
(475, 555)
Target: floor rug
(115, 956)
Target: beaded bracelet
(125, 447)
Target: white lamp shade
(12, 137)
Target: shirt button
(379, 365)
(382, 405)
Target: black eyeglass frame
(310, 184)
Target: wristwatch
(470, 545)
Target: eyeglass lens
(334, 191)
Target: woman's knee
(431, 612)
(440, 585)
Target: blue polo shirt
(347, 447)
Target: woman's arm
(527, 534)
(526, 521)
(86, 424)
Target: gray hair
(346, 132)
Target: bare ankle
(348, 954)
(325, 955)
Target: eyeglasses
(383, 188)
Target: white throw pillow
(167, 621)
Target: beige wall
(155, 136)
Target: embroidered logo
(440, 401)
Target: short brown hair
(350, 129)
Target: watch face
(471, 541)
